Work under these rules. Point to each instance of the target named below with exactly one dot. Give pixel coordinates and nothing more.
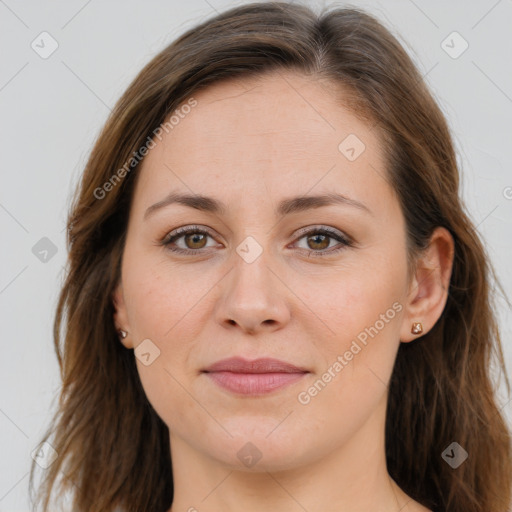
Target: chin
(258, 446)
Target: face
(319, 285)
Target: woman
(275, 299)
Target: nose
(253, 297)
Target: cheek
(363, 309)
(163, 299)
(354, 302)
(358, 360)
(163, 309)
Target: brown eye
(318, 241)
(195, 240)
(189, 240)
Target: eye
(194, 238)
(319, 239)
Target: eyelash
(180, 232)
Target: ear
(428, 290)
(120, 315)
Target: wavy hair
(113, 449)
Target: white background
(52, 109)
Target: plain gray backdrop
(65, 64)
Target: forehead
(279, 132)
(272, 109)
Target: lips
(262, 365)
(255, 377)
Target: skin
(251, 143)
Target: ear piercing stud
(122, 333)
(416, 328)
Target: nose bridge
(253, 296)
(251, 282)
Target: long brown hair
(113, 449)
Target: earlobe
(121, 317)
(429, 288)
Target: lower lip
(253, 383)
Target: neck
(351, 477)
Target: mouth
(257, 377)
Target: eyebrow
(285, 207)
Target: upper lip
(262, 365)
